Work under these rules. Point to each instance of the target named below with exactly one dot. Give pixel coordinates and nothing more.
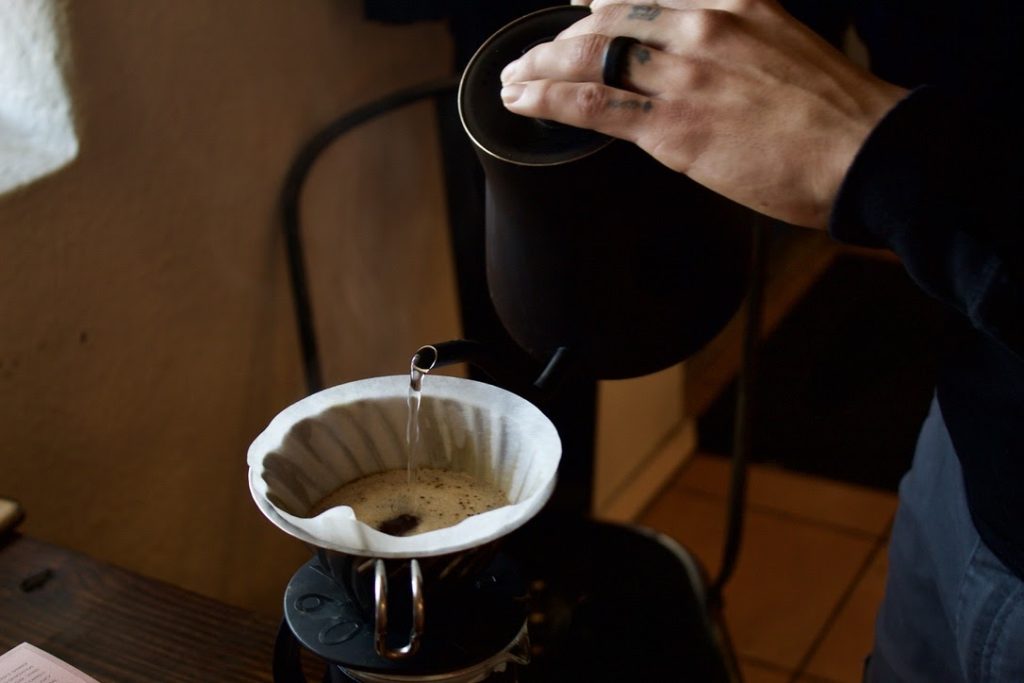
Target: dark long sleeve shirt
(940, 181)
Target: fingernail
(511, 92)
(508, 71)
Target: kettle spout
(494, 361)
(480, 355)
(432, 356)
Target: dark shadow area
(846, 378)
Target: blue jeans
(952, 611)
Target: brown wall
(146, 327)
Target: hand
(736, 94)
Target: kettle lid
(511, 137)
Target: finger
(580, 2)
(735, 6)
(689, 34)
(614, 112)
(659, 24)
(639, 21)
(581, 59)
(651, 24)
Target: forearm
(938, 183)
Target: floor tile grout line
(779, 669)
(811, 480)
(769, 468)
(879, 542)
(764, 664)
(844, 599)
(790, 516)
(815, 522)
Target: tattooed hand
(736, 94)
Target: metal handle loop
(380, 595)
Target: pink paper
(28, 664)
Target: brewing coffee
(389, 502)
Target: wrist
(873, 105)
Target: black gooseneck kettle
(599, 258)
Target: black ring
(616, 55)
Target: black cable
(744, 415)
(291, 195)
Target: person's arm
(749, 102)
(939, 182)
(736, 94)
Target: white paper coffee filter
(353, 430)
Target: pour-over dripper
(357, 429)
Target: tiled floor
(801, 603)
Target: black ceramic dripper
(592, 246)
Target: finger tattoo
(644, 12)
(637, 105)
(642, 54)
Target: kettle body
(594, 249)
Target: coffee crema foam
(389, 502)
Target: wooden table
(118, 626)
(643, 618)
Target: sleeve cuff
(890, 186)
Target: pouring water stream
(422, 363)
